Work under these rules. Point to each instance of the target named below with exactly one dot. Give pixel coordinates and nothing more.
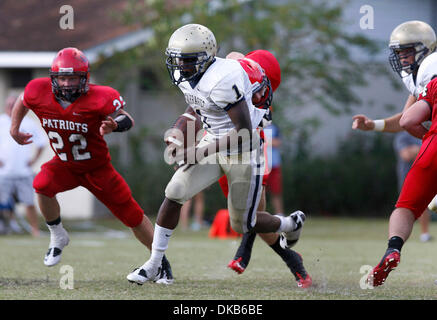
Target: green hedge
(358, 179)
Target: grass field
(333, 249)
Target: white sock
(57, 231)
(161, 237)
(285, 225)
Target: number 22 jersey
(74, 131)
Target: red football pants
(420, 184)
(105, 183)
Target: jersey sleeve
(229, 90)
(113, 101)
(32, 92)
(429, 93)
(427, 72)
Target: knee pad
(237, 225)
(176, 191)
(43, 183)
(238, 193)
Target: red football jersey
(429, 94)
(74, 131)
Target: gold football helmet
(411, 38)
(191, 49)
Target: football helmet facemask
(191, 49)
(259, 81)
(411, 38)
(70, 62)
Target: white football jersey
(427, 70)
(222, 85)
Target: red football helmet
(259, 81)
(270, 65)
(70, 62)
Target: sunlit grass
(333, 249)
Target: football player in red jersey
(264, 72)
(420, 184)
(76, 115)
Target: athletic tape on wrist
(379, 125)
(189, 116)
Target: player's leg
(6, 204)
(274, 188)
(424, 226)
(53, 178)
(183, 186)
(418, 190)
(401, 223)
(185, 214)
(244, 252)
(144, 232)
(244, 177)
(107, 185)
(25, 195)
(199, 209)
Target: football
(185, 131)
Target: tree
(308, 37)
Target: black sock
(54, 222)
(291, 258)
(395, 243)
(245, 249)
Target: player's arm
(19, 111)
(118, 121)
(390, 124)
(239, 114)
(175, 133)
(412, 118)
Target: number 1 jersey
(74, 131)
(223, 85)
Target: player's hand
(22, 137)
(190, 156)
(185, 156)
(361, 122)
(108, 125)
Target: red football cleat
(380, 273)
(236, 266)
(304, 283)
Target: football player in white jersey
(413, 57)
(265, 74)
(220, 92)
